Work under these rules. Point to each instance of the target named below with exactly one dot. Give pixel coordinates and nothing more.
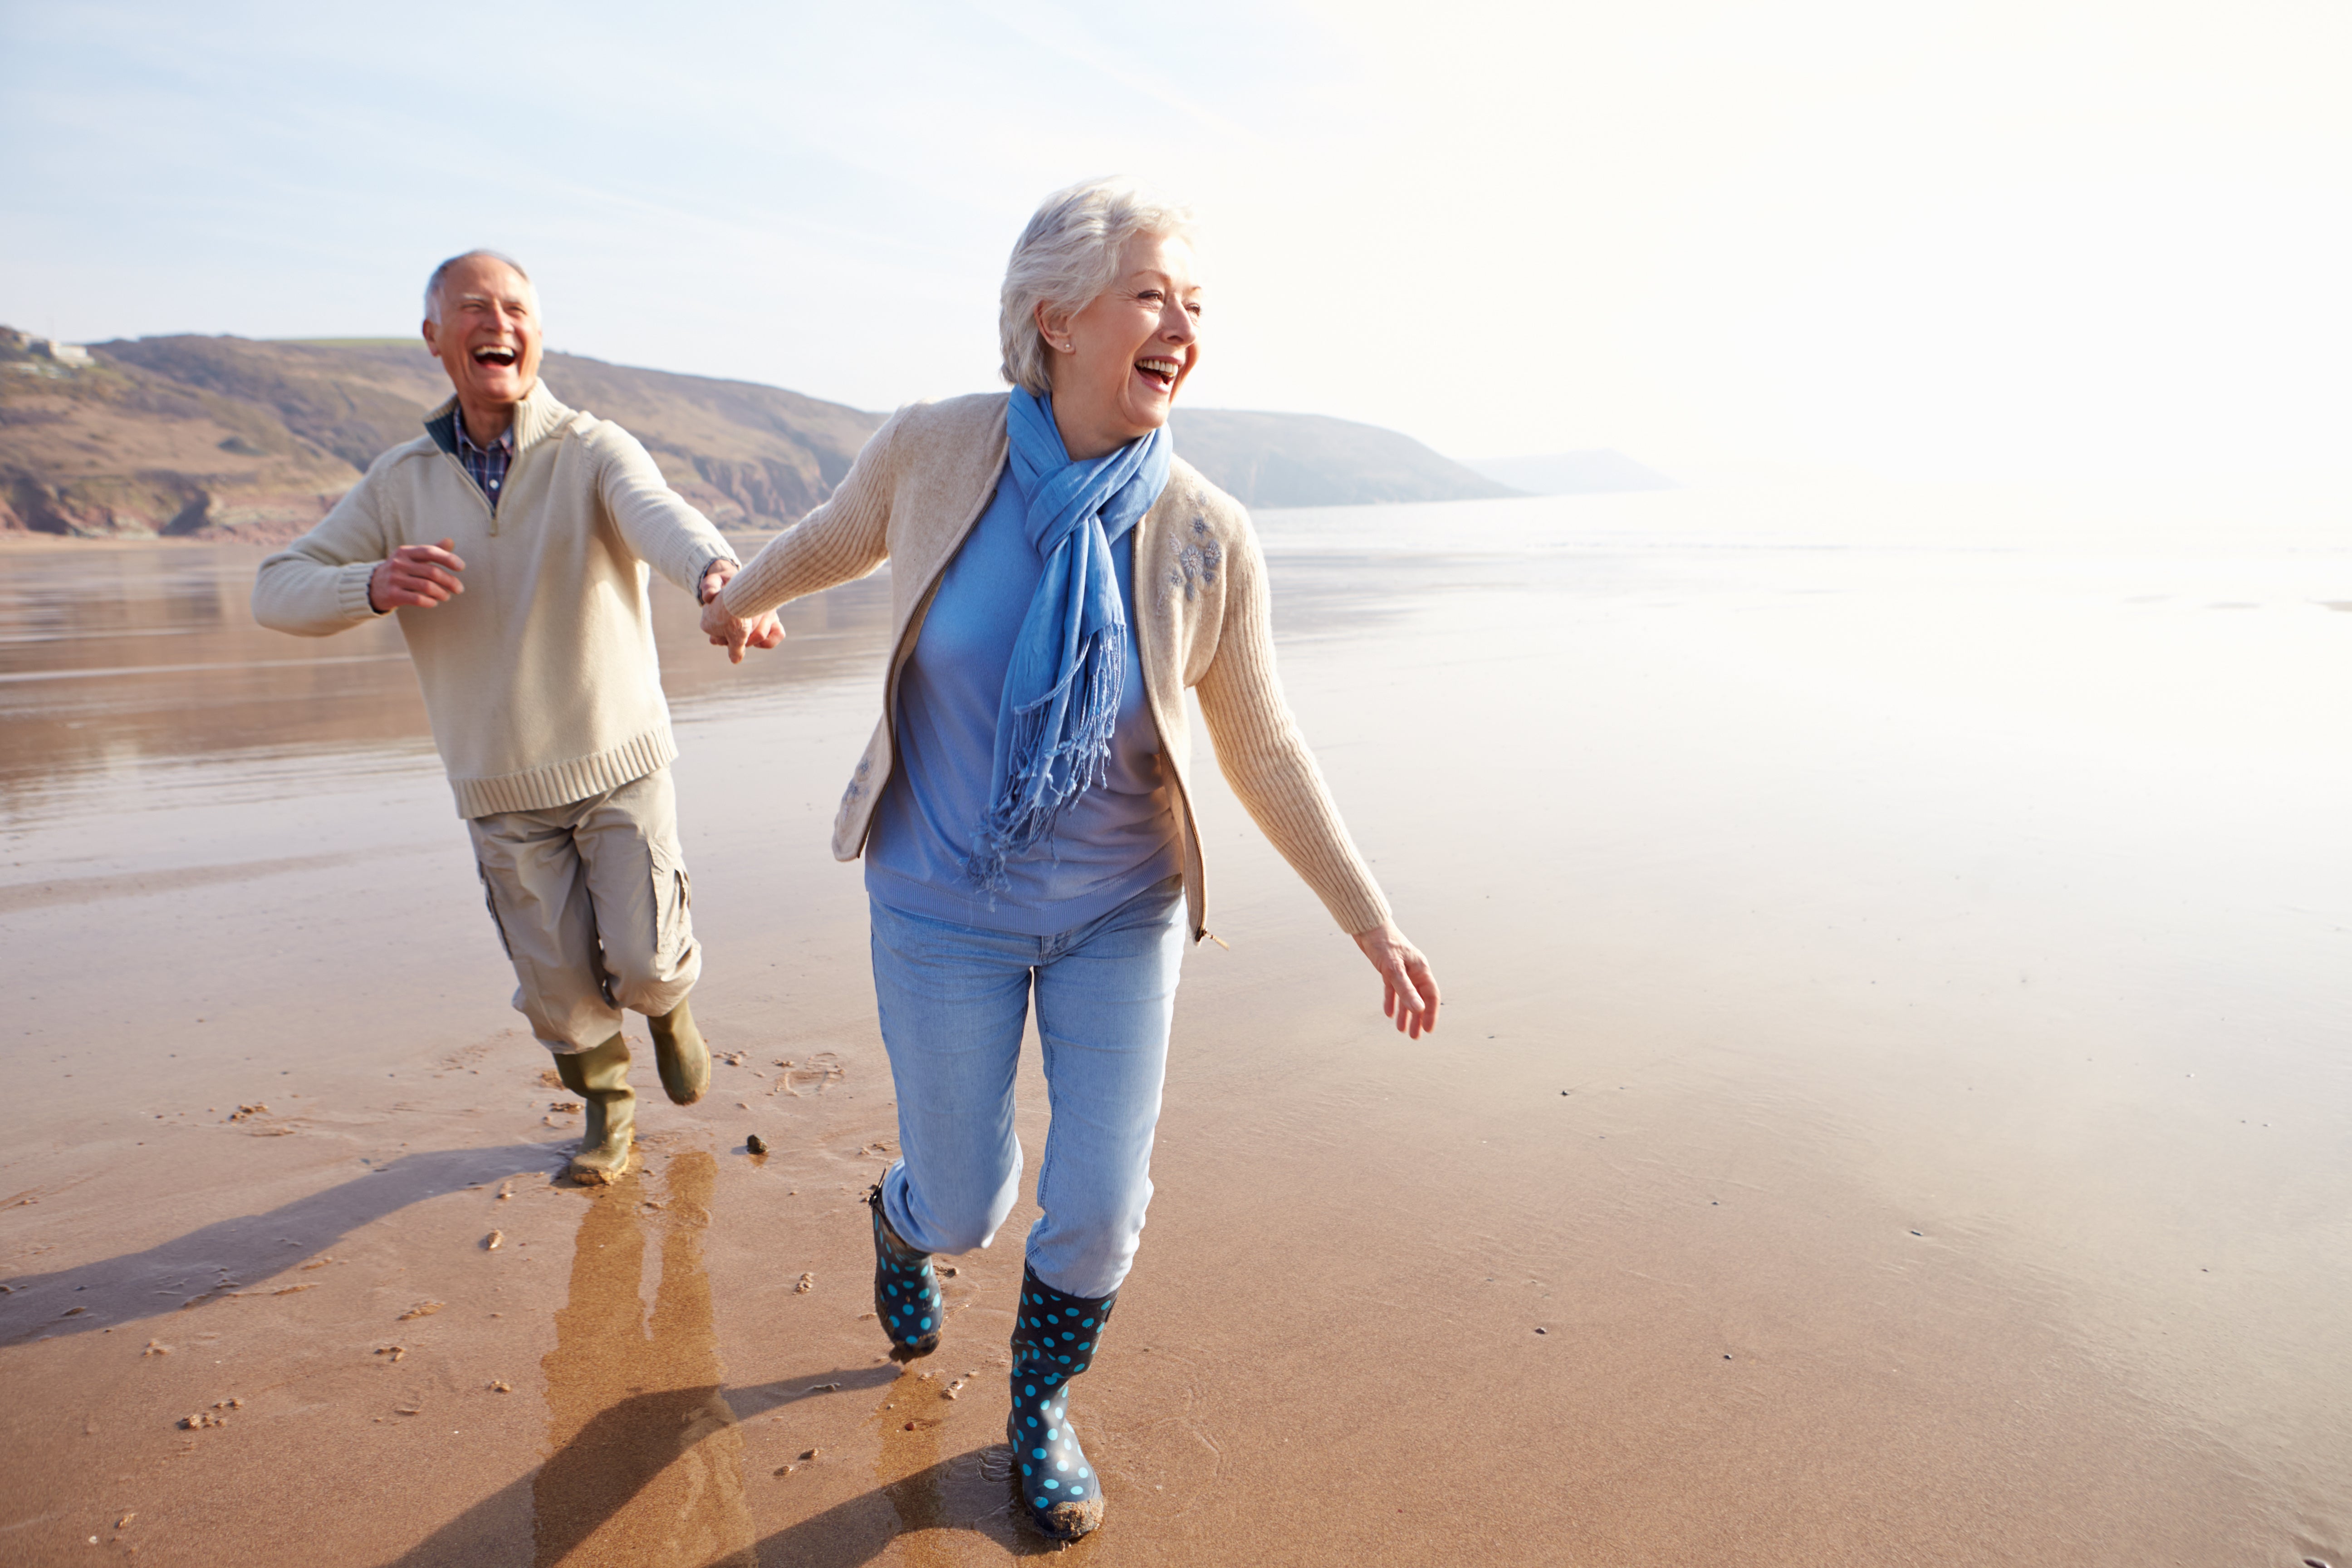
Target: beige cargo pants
(593, 904)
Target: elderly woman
(1059, 578)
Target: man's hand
(723, 629)
(417, 576)
(1411, 989)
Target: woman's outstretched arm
(840, 542)
(1265, 759)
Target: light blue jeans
(953, 1002)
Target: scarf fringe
(1047, 774)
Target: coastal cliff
(219, 437)
(231, 438)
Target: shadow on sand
(234, 1253)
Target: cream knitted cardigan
(540, 679)
(1201, 622)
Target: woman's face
(1115, 364)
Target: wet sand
(1893, 1055)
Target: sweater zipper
(488, 505)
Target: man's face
(488, 336)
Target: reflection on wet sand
(646, 1465)
(114, 658)
(1891, 1106)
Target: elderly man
(529, 626)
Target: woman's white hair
(1067, 256)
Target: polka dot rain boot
(906, 1299)
(1054, 1340)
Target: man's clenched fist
(416, 576)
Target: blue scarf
(1060, 706)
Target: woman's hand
(1411, 989)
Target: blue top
(1115, 840)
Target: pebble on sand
(807, 1284)
(493, 1241)
(756, 1144)
(422, 1309)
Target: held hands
(415, 576)
(723, 629)
(1411, 989)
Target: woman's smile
(1118, 364)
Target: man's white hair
(1067, 256)
(441, 276)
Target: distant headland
(234, 438)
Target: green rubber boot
(678, 1051)
(599, 1077)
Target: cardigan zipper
(907, 639)
(1186, 825)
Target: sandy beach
(1891, 1104)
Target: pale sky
(1931, 240)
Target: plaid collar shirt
(487, 465)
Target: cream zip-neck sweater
(1201, 622)
(540, 679)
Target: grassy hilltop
(223, 438)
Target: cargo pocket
(491, 902)
(673, 908)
